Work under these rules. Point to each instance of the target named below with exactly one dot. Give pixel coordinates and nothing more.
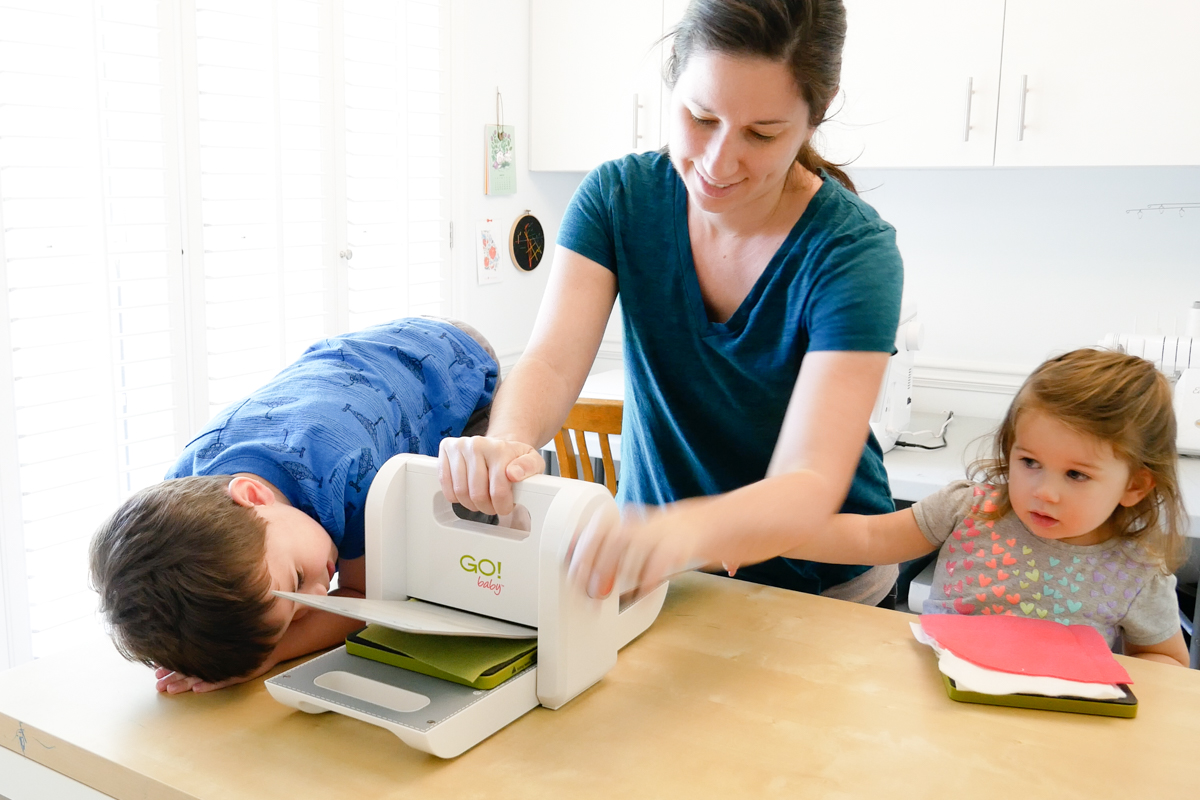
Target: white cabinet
(596, 90)
(1106, 83)
(919, 80)
(1051, 82)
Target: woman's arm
(819, 446)
(538, 394)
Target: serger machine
(1179, 358)
(428, 571)
(893, 405)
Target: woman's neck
(774, 211)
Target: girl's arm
(538, 393)
(865, 539)
(1172, 651)
(814, 462)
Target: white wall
(1011, 265)
(491, 49)
(1007, 265)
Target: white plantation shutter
(85, 273)
(397, 140)
(180, 185)
(266, 255)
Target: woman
(760, 299)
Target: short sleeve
(855, 305)
(587, 225)
(1153, 616)
(939, 513)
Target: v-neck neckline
(691, 280)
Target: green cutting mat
(1121, 707)
(477, 661)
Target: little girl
(1079, 518)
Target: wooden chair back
(602, 417)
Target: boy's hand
(171, 682)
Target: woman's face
(736, 126)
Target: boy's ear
(248, 492)
(1140, 484)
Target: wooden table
(737, 691)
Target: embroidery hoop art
(526, 242)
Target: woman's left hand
(641, 551)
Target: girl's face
(1065, 485)
(736, 126)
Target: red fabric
(1028, 646)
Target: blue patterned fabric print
(321, 428)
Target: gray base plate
(446, 699)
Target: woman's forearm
(792, 515)
(532, 403)
(764, 519)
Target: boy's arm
(317, 630)
(866, 539)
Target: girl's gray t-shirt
(1000, 567)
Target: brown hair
(1115, 398)
(807, 35)
(181, 573)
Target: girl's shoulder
(974, 497)
(962, 505)
(1133, 554)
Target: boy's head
(185, 569)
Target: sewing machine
(893, 406)
(428, 571)
(1179, 358)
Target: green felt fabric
(466, 657)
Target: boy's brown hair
(1115, 398)
(181, 572)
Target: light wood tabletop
(736, 691)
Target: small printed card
(489, 244)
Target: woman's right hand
(478, 472)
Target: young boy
(270, 496)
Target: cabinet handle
(967, 121)
(1021, 113)
(636, 135)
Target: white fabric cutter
(468, 578)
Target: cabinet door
(595, 86)
(918, 84)
(1100, 83)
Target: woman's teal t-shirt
(704, 401)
